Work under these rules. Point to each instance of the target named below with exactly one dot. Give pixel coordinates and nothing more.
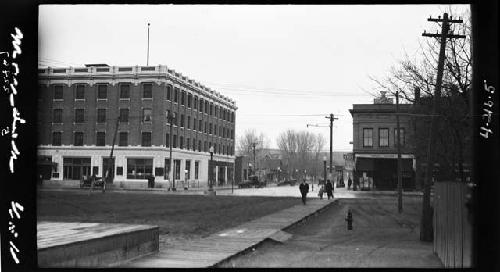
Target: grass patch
(184, 215)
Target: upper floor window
(78, 139)
(56, 138)
(124, 90)
(100, 138)
(80, 91)
(211, 108)
(401, 138)
(174, 141)
(182, 120)
(123, 141)
(58, 92)
(147, 90)
(195, 103)
(102, 91)
(206, 107)
(147, 115)
(183, 98)
(176, 94)
(57, 117)
(367, 137)
(146, 139)
(101, 115)
(79, 116)
(169, 92)
(124, 115)
(200, 108)
(383, 137)
(190, 98)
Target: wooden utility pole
(147, 59)
(111, 162)
(254, 163)
(426, 232)
(400, 182)
(332, 118)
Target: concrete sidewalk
(218, 247)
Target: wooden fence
(452, 226)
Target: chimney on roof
(382, 99)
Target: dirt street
(380, 238)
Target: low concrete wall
(102, 252)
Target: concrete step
(73, 244)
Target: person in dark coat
(304, 189)
(329, 189)
(349, 183)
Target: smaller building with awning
(376, 146)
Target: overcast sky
(285, 66)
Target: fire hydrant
(348, 218)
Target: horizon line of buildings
(84, 112)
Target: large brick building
(81, 110)
(375, 144)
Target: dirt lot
(380, 238)
(179, 217)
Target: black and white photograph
(252, 136)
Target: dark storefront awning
(364, 164)
(368, 164)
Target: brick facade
(151, 93)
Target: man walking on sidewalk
(329, 189)
(304, 189)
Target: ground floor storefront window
(75, 168)
(381, 174)
(139, 168)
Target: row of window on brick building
(181, 121)
(383, 137)
(173, 94)
(183, 143)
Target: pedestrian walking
(329, 189)
(321, 191)
(304, 189)
(349, 183)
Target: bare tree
(287, 144)
(245, 142)
(249, 141)
(300, 151)
(320, 144)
